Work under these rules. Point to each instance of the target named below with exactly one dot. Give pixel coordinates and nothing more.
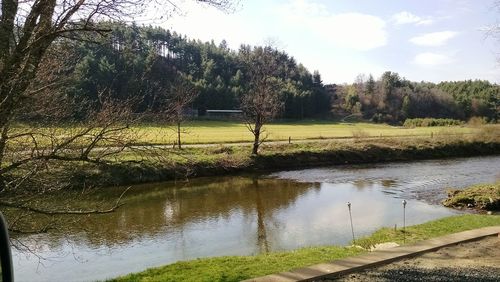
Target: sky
(424, 40)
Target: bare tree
(262, 100)
(44, 158)
(181, 95)
(29, 28)
(172, 101)
(31, 32)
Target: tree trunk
(4, 126)
(262, 241)
(256, 142)
(179, 135)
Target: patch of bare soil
(472, 261)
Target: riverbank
(155, 164)
(483, 197)
(244, 267)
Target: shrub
(476, 121)
(222, 150)
(428, 122)
(382, 118)
(359, 133)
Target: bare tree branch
(262, 101)
(65, 211)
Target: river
(243, 215)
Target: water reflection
(422, 180)
(171, 207)
(167, 222)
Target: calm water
(167, 222)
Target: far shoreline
(228, 161)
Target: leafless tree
(262, 100)
(181, 95)
(31, 33)
(172, 102)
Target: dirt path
(472, 261)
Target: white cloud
(348, 30)
(352, 30)
(341, 68)
(434, 38)
(405, 17)
(208, 23)
(306, 8)
(432, 59)
(425, 22)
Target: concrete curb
(376, 258)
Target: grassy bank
(481, 197)
(170, 164)
(237, 268)
(430, 229)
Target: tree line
(393, 99)
(140, 62)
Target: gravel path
(472, 261)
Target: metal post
(352, 227)
(404, 221)
(289, 139)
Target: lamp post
(352, 228)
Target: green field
(199, 132)
(221, 132)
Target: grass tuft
(481, 196)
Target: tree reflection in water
(162, 211)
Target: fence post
(352, 227)
(404, 221)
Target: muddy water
(243, 215)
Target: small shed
(224, 113)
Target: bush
(382, 118)
(359, 133)
(222, 150)
(476, 121)
(428, 122)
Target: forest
(392, 98)
(137, 63)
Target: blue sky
(431, 40)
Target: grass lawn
(237, 268)
(219, 132)
(226, 131)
